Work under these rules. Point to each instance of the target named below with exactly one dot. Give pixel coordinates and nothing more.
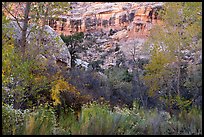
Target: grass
(99, 119)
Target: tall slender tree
(181, 29)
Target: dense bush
(39, 121)
(13, 120)
(120, 85)
(91, 82)
(154, 122)
(26, 83)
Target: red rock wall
(140, 17)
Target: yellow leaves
(55, 93)
(153, 82)
(7, 55)
(182, 24)
(61, 85)
(7, 52)
(159, 59)
(39, 78)
(3, 74)
(5, 79)
(156, 70)
(193, 29)
(182, 102)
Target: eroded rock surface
(53, 49)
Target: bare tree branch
(17, 20)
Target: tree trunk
(178, 80)
(43, 24)
(179, 72)
(25, 27)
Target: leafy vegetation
(99, 119)
(164, 99)
(168, 68)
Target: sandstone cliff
(117, 28)
(92, 16)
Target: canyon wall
(93, 16)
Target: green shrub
(67, 122)
(13, 120)
(40, 122)
(95, 119)
(120, 85)
(27, 82)
(153, 122)
(191, 121)
(99, 119)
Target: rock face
(118, 28)
(90, 16)
(53, 49)
(111, 24)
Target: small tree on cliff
(74, 44)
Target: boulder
(82, 63)
(53, 47)
(99, 41)
(119, 34)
